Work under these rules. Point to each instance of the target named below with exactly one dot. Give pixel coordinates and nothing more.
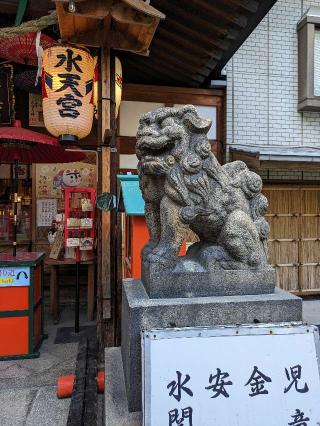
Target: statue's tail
(251, 185)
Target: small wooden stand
(55, 265)
(82, 231)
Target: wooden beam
(181, 53)
(120, 11)
(96, 9)
(172, 95)
(251, 159)
(132, 90)
(127, 145)
(289, 165)
(179, 63)
(97, 37)
(179, 11)
(169, 71)
(134, 24)
(9, 7)
(219, 12)
(145, 8)
(201, 50)
(248, 5)
(136, 41)
(66, 21)
(125, 15)
(143, 71)
(172, 69)
(192, 34)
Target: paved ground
(28, 387)
(311, 311)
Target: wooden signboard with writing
(57, 246)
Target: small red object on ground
(65, 385)
(100, 381)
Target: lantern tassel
(39, 51)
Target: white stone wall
(262, 84)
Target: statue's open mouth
(153, 143)
(150, 152)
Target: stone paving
(311, 311)
(28, 387)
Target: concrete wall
(262, 84)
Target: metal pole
(28, 186)
(77, 299)
(15, 206)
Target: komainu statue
(184, 186)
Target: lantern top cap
(67, 45)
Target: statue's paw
(162, 255)
(147, 249)
(153, 258)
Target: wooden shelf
(78, 228)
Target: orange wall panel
(140, 237)
(14, 336)
(14, 298)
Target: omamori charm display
(67, 90)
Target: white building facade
(262, 90)
(282, 144)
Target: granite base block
(116, 404)
(139, 312)
(191, 280)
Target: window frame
(306, 27)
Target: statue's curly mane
(175, 161)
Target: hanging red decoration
(26, 81)
(22, 49)
(27, 147)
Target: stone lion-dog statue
(184, 186)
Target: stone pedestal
(139, 312)
(191, 279)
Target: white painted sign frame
(151, 337)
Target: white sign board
(14, 277)
(231, 376)
(46, 211)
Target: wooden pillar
(107, 310)
(103, 261)
(34, 208)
